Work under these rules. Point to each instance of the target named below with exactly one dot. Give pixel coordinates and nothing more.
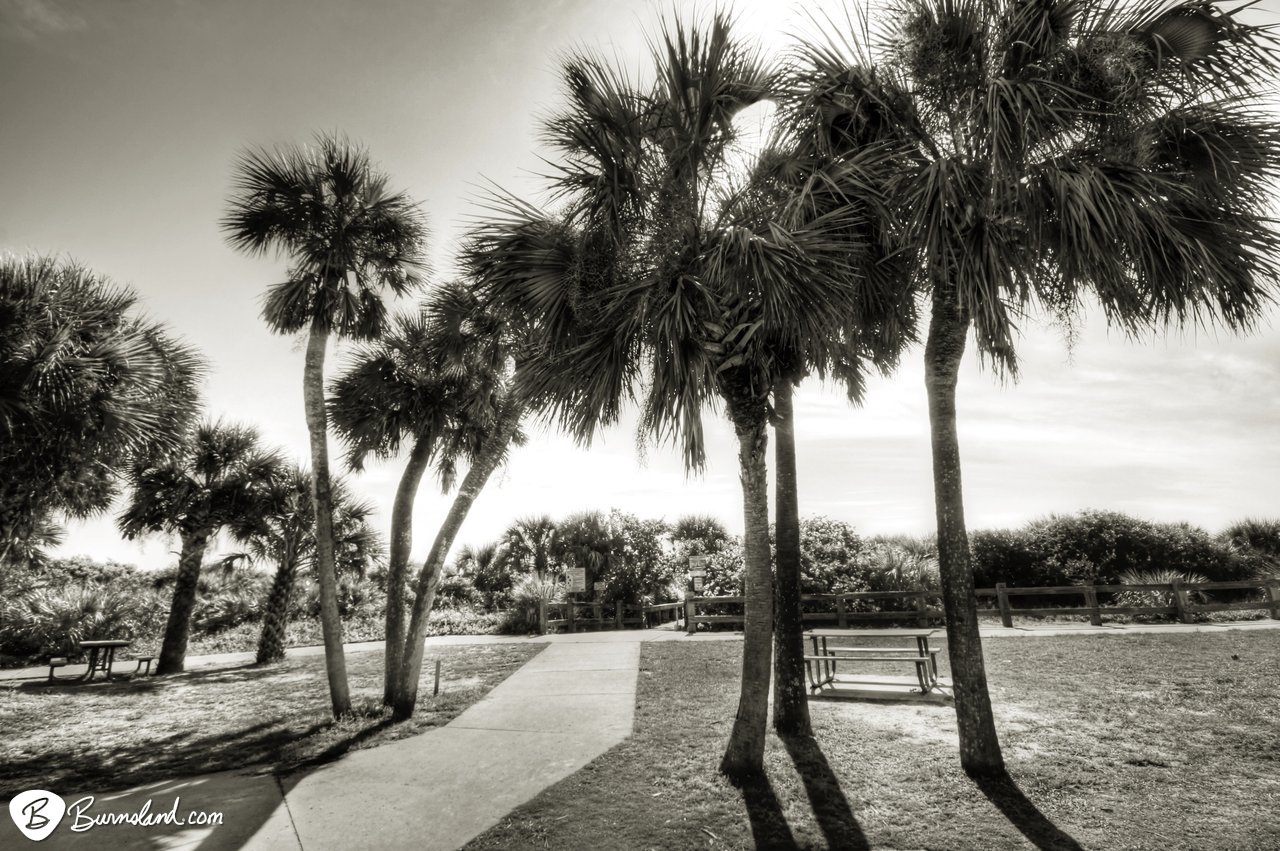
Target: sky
(119, 124)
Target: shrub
(899, 566)
(1097, 547)
(456, 591)
(1152, 598)
(831, 553)
(50, 621)
(1256, 543)
(227, 608)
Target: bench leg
(922, 674)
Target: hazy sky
(119, 121)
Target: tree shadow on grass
(830, 806)
(769, 828)
(1003, 791)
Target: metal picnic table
(104, 649)
(822, 663)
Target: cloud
(29, 20)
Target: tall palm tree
(87, 388)
(287, 539)
(221, 479)
(348, 238)
(1050, 150)
(438, 383)
(666, 269)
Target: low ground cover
(1120, 742)
(99, 737)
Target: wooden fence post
(922, 606)
(1091, 603)
(1002, 599)
(1273, 598)
(689, 626)
(542, 617)
(1180, 600)
(842, 618)
(617, 615)
(570, 616)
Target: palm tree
(287, 539)
(530, 543)
(1049, 150)
(440, 382)
(394, 392)
(86, 389)
(221, 479)
(670, 269)
(347, 238)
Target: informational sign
(697, 565)
(577, 580)
(600, 586)
(697, 583)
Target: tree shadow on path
(830, 806)
(1003, 791)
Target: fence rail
(921, 607)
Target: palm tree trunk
(406, 695)
(979, 745)
(744, 755)
(173, 650)
(322, 499)
(790, 700)
(275, 620)
(398, 563)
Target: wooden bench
(56, 662)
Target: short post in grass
(1180, 601)
(1091, 603)
(1002, 599)
(435, 689)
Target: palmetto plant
(86, 388)
(669, 276)
(530, 542)
(1048, 151)
(221, 479)
(348, 239)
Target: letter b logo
(36, 813)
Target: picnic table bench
(102, 656)
(833, 647)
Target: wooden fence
(919, 608)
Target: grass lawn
(1116, 742)
(105, 736)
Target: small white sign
(600, 586)
(577, 580)
(697, 565)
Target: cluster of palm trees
(975, 158)
(931, 174)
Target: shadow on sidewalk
(830, 806)
(1003, 791)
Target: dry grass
(105, 736)
(1117, 742)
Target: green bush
(50, 621)
(227, 608)
(1256, 542)
(1097, 547)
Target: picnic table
(833, 647)
(101, 655)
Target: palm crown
(347, 236)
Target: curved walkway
(437, 790)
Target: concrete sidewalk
(566, 706)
